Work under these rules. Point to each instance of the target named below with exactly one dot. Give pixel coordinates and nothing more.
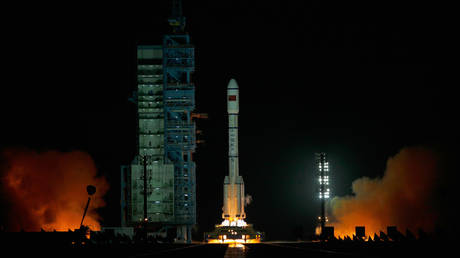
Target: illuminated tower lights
(324, 191)
(323, 178)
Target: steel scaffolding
(180, 142)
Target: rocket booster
(233, 209)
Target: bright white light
(241, 223)
(237, 223)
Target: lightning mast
(322, 166)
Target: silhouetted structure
(360, 232)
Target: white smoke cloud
(247, 200)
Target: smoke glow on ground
(223, 239)
(234, 241)
(48, 190)
(404, 197)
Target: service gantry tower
(158, 188)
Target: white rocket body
(233, 209)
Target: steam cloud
(404, 197)
(247, 200)
(48, 190)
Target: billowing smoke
(406, 196)
(247, 200)
(48, 190)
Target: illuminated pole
(322, 166)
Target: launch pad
(233, 234)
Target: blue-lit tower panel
(179, 102)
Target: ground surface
(56, 245)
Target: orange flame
(403, 197)
(234, 241)
(48, 190)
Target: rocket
(233, 210)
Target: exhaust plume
(404, 197)
(247, 200)
(48, 190)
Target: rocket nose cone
(232, 84)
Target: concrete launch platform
(229, 234)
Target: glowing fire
(245, 238)
(48, 190)
(234, 241)
(234, 223)
(406, 196)
(237, 245)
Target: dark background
(359, 82)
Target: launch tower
(158, 188)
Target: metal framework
(180, 142)
(158, 188)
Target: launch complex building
(158, 188)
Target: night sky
(358, 82)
